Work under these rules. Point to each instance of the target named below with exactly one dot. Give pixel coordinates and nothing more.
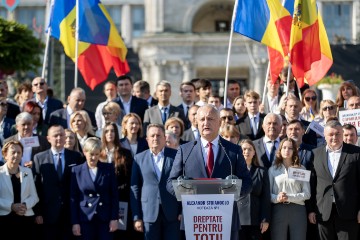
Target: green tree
(19, 49)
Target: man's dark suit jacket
(148, 193)
(309, 137)
(187, 123)
(255, 207)
(345, 186)
(306, 156)
(43, 144)
(7, 126)
(245, 127)
(194, 167)
(137, 105)
(53, 104)
(153, 115)
(59, 117)
(261, 153)
(54, 194)
(153, 102)
(12, 110)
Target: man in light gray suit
(155, 211)
(164, 110)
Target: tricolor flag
(100, 46)
(312, 115)
(264, 21)
(310, 53)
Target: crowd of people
(70, 173)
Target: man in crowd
(76, 101)
(266, 146)
(353, 103)
(350, 134)
(272, 98)
(155, 211)
(48, 104)
(52, 180)
(164, 110)
(110, 93)
(141, 89)
(129, 103)
(227, 116)
(13, 108)
(208, 159)
(250, 124)
(193, 132)
(203, 91)
(187, 93)
(232, 92)
(335, 186)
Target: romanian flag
(310, 53)
(100, 46)
(262, 21)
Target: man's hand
(76, 230)
(312, 217)
(113, 225)
(139, 225)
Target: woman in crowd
(112, 113)
(255, 208)
(39, 128)
(231, 133)
(288, 195)
(70, 140)
(176, 125)
(346, 90)
(239, 107)
(18, 193)
(122, 159)
(80, 124)
(132, 132)
(94, 200)
(328, 109)
(23, 94)
(310, 109)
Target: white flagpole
(49, 9)
(229, 52)
(76, 44)
(288, 80)
(266, 79)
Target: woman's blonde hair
(86, 119)
(126, 119)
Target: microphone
(231, 176)
(183, 177)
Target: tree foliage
(19, 49)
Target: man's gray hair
(164, 83)
(273, 115)
(155, 125)
(212, 107)
(333, 124)
(24, 116)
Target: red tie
(210, 160)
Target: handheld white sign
(299, 174)
(30, 141)
(350, 117)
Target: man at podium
(211, 156)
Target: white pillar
(154, 15)
(145, 70)
(126, 21)
(187, 69)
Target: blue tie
(164, 115)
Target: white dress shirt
(205, 148)
(333, 159)
(126, 105)
(268, 145)
(158, 162)
(273, 103)
(43, 106)
(55, 157)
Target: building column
(187, 67)
(154, 15)
(157, 72)
(145, 70)
(126, 24)
(257, 75)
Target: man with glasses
(250, 124)
(227, 116)
(48, 104)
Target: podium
(207, 186)
(208, 206)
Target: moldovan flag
(262, 21)
(100, 46)
(310, 53)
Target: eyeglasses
(328, 108)
(3, 104)
(40, 83)
(230, 118)
(310, 98)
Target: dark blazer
(306, 156)
(261, 153)
(245, 127)
(59, 117)
(194, 167)
(310, 137)
(43, 144)
(6, 126)
(187, 123)
(142, 144)
(153, 102)
(147, 192)
(345, 186)
(153, 115)
(255, 207)
(53, 104)
(12, 110)
(54, 193)
(88, 198)
(137, 105)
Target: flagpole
(266, 80)
(46, 53)
(76, 44)
(229, 52)
(288, 79)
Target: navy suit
(194, 167)
(94, 204)
(12, 110)
(306, 156)
(142, 144)
(54, 193)
(6, 126)
(137, 105)
(150, 201)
